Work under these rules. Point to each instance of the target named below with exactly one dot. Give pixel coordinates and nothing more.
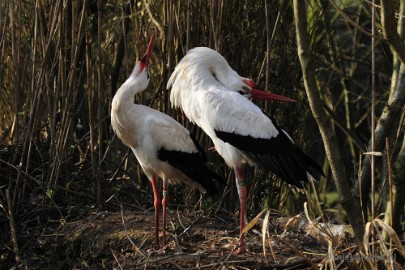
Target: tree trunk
(351, 206)
(389, 119)
(398, 191)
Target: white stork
(162, 146)
(215, 97)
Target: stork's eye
(242, 92)
(246, 89)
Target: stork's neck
(125, 94)
(215, 65)
(123, 108)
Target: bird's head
(248, 88)
(141, 70)
(223, 73)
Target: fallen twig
(12, 227)
(116, 259)
(299, 253)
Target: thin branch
(349, 20)
(153, 19)
(389, 27)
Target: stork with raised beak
(162, 146)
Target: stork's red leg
(242, 212)
(164, 200)
(156, 203)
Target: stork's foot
(161, 251)
(239, 251)
(158, 249)
(164, 248)
(156, 246)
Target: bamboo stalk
(15, 130)
(170, 52)
(389, 217)
(188, 26)
(70, 95)
(372, 158)
(91, 96)
(100, 107)
(266, 14)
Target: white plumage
(162, 146)
(215, 97)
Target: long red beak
(144, 62)
(148, 50)
(260, 94)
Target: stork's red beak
(148, 50)
(145, 59)
(260, 94)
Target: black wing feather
(279, 155)
(199, 148)
(193, 165)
